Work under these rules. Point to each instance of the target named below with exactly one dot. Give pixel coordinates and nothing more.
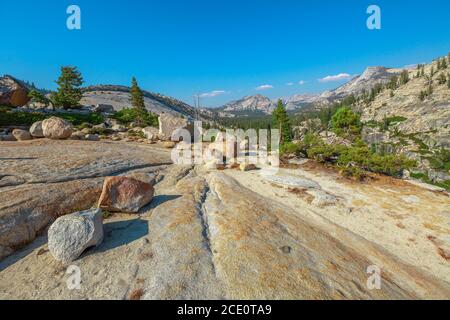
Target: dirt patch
(136, 294)
(437, 243)
(302, 193)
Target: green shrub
(425, 178)
(441, 160)
(290, 148)
(345, 122)
(353, 172)
(355, 159)
(129, 115)
(9, 118)
(325, 153)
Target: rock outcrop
(70, 235)
(169, 126)
(45, 182)
(219, 235)
(13, 92)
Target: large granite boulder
(69, 236)
(13, 92)
(124, 194)
(36, 130)
(57, 128)
(170, 125)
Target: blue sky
(226, 48)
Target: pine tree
(444, 63)
(442, 79)
(448, 80)
(282, 122)
(393, 83)
(404, 77)
(137, 102)
(38, 97)
(439, 64)
(68, 94)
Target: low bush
(18, 118)
(356, 159)
(129, 115)
(346, 123)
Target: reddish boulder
(124, 194)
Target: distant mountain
(300, 100)
(260, 105)
(361, 83)
(257, 104)
(119, 98)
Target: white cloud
(338, 77)
(212, 94)
(264, 87)
(290, 84)
(301, 82)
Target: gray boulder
(119, 128)
(21, 135)
(69, 236)
(92, 137)
(104, 108)
(7, 137)
(36, 130)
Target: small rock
(100, 127)
(92, 137)
(119, 128)
(234, 165)
(36, 130)
(57, 128)
(286, 249)
(77, 135)
(213, 165)
(125, 194)
(104, 108)
(169, 144)
(247, 167)
(150, 133)
(69, 236)
(21, 135)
